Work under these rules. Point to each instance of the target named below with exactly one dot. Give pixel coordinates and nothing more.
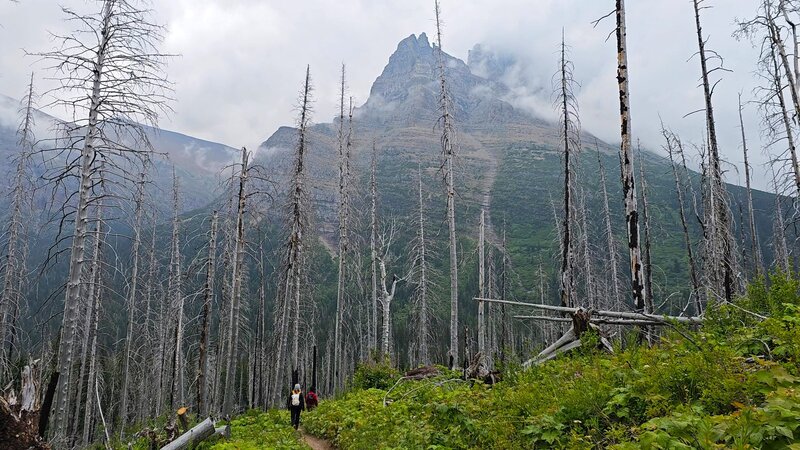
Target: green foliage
(379, 375)
(732, 384)
(257, 430)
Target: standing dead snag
(373, 247)
(16, 243)
(113, 71)
(420, 252)
(175, 293)
(570, 135)
(205, 327)
(293, 269)
(616, 302)
(720, 260)
(673, 144)
(132, 293)
(758, 259)
(387, 293)
(344, 205)
(481, 287)
(648, 262)
(232, 350)
(626, 156)
(448, 153)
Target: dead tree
(647, 257)
(569, 127)
(92, 323)
(673, 145)
(616, 302)
(373, 247)
(232, 350)
(626, 157)
(481, 283)
(387, 290)
(758, 259)
(175, 294)
(132, 294)
(448, 155)
(344, 206)
(205, 327)
(720, 263)
(420, 252)
(293, 267)
(110, 74)
(16, 243)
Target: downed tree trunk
(581, 323)
(198, 433)
(478, 370)
(19, 418)
(420, 373)
(594, 320)
(659, 319)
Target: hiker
(311, 398)
(296, 403)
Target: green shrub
(371, 375)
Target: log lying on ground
(420, 373)
(198, 433)
(581, 323)
(657, 319)
(595, 320)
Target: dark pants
(295, 416)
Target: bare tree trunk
(132, 293)
(298, 224)
(481, 287)
(69, 320)
(112, 69)
(780, 247)
(758, 259)
(722, 233)
(787, 124)
(232, 351)
(373, 248)
(94, 315)
(673, 144)
(176, 293)
(150, 372)
(208, 302)
(626, 156)
(591, 294)
(16, 248)
(648, 262)
(344, 175)
(422, 286)
(617, 302)
(567, 278)
(448, 152)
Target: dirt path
(316, 443)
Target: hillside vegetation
(735, 383)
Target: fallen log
(581, 323)
(658, 319)
(595, 320)
(198, 433)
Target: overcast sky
(241, 62)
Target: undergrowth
(735, 383)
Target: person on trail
(296, 403)
(311, 398)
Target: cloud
(242, 62)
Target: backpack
(295, 399)
(311, 397)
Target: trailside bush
(380, 375)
